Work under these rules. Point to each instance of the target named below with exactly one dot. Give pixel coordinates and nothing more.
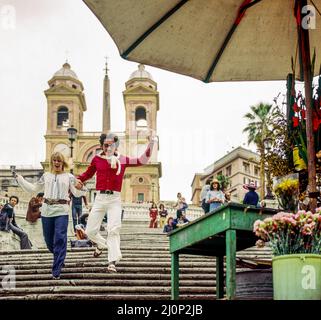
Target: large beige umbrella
(219, 40)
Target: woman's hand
(152, 138)
(79, 184)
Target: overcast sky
(197, 123)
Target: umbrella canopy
(215, 40)
(210, 40)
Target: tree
(224, 181)
(280, 158)
(258, 129)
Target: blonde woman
(55, 209)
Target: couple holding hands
(109, 167)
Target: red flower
(303, 114)
(315, 121)
(295, 107)
(296, 121)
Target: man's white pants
(110, 203)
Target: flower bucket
(297, 277)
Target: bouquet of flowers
(287, 191)
(289, 233)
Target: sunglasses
(112, 145)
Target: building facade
(66, 105)
(241, 166)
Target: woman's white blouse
(54, 186)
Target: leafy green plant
(224, 181)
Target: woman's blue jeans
(55, 234)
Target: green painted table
(219, 233)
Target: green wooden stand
(220, 233)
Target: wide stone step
(116, 276)
(102, 289)
(111, 282)
(110, 296)
(129, 247)
(123, 264)
(129, 269)
(127, 257)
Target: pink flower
(289, 233)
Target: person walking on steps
(153, 214)
(109, 167)
(55, 209)
(162, 215)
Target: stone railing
(140, 212)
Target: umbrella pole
(304, 45)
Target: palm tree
(257, 130)
(224, 181)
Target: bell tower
(65, 107)
(141, 100)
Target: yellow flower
(287, 186)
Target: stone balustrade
(140, 212)
(133, 211)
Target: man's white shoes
(111, 268)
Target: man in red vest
(109, 167)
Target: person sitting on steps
(8, 223)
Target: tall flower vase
(288, 203)
(297, 277)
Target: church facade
(66, 105)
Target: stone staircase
(143, 273)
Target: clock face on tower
(63, 148)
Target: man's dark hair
(208, 181)
(14, 197)
(40, 194)
(104, 136)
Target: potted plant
(295, 240)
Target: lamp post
(268, 146)
(153, 185)
(72, 134)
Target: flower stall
(288, 149)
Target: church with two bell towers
(66, 105)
